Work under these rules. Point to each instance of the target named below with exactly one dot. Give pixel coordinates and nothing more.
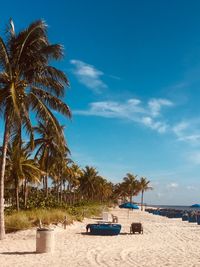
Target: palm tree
(21, 169)
(58, 170)
(104, 189)
(28, 82)
(144, 186)
(72, 176)
(120, 192)
(131, 185)
(51, 148)
(88, 182)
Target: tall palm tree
(144, 186)
(28, 82)
(131, 185)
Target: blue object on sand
(129, 205)
(104, 229)
(192, 219)
(195, 206)
(198, 219)
(185, 217)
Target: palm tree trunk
(25, 193)
(142, 197)
(17, 193)
(74, 197)
(58, 191)
(61, 192)
(3, 166)
(46, 176)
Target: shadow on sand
(19, 253)
(88, 233)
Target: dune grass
(26, 219)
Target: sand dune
(165, 242)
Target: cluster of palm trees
(53, 174)
(131, 186)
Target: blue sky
(134, 70)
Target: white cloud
(155, 125)
(112, 109)
(132, 109)
(155, 106)
(180, 127)
(88, 75)
(187, 131)
(172, 185)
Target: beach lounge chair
(114, 219)
(107, 217)
(136, 228)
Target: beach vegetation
(25, 219)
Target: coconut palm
(130, 185)
(21, 169)
(144, 186)
(120, 192)
(51, 148)
(58, 170)
(88, 182)
(104, 189)
(28, 83)
(72, 176)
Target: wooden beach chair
(136, 228)
(114, 218)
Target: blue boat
(104, 229)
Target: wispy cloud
(187, 131)
(88, 75)
(172, 185)
(155, 105)
(133, 110)
(159, 126)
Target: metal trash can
(44, 240)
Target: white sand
(165, 242)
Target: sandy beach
(165, 242)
